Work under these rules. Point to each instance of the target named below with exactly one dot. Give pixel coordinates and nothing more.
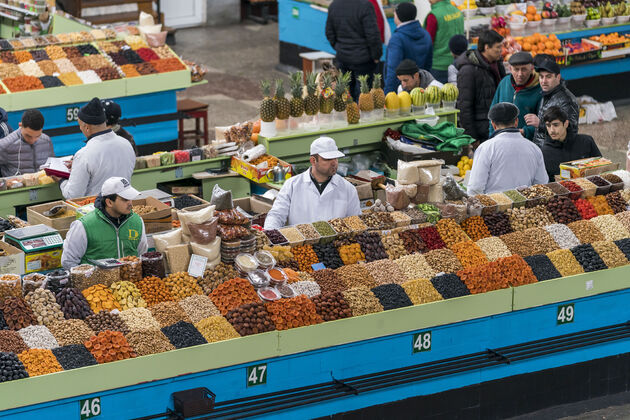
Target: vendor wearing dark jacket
(27, 148)
(555, 93)
(522, 89)
(112, 230)
(561, 146)
(409, 41)
(352, 31)
(112, 118)
(479, 74)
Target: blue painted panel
(372, 356)
(132, 107)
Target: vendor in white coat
(104, 156)
(316, 194)
(507, 160)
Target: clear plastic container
(558, 189)
(60, 279)
(245, 263)
(268, 294)
(32, 282)
(10, 285)
(531, 202)
(574, 195)
(153, 265)
(286, 291)
(604, 188)
(265, 259)
(258, 278)
(277, 276)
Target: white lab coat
(103, 157)
(300, 202)
(504, 162)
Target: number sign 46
(90, 408)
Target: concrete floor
(239, 56)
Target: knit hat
(503, 112)
(406, 12)
(112, 111)
(407, 67)
(92, 113)
(458, 44)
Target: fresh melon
(405, 99)
(392, 101)
(417, 97)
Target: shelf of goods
(302, 24)
(461, 314)
(351, 139)
(142, 179)
(59, 73)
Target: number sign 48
(421, 342)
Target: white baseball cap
(119, 186)
(326, 148)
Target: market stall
(509, 289)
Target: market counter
(351, 139)
(142, 179)
(344, 349)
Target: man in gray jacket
(27, 148)
(104, 156)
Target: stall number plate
(72, 114)
(90, 408)
(257, 375)
(566, 314)
(421, 342)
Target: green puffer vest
(105, 241)
(450, 21)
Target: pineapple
(341, 91)
(268, 105)
(311, 103)
(283, 106)
(366, 103)
(327, 97)
(352, 111)
(378, 95)
(297, 103)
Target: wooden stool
(198, 111)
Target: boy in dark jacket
(480, 72)
(409, 41)
(352, 30)
(562, 146)
(5, 127)
(522, 89)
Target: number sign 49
(566, 314)
(421, 342)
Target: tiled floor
(239, 56)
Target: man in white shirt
(507, 160)
(316, 194)
(104, 156)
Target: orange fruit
(537, 17)
(549, 45)
(527, 46)
(530, 18)
(531, 10)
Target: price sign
(318, 266)
(257, 374)
(32, 195)
(72, 114)
(197, 265)
(295, 12)
(566, 314)
(90, 408)
(179, 172)
(421, 342)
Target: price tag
(295, 12)
(318, 266)
(566, 314)
(196, 158)
(179, 172)
(421, 342)
(355, 142)
(589, 285)
(197, 265)
(32, 195)
(257, 375)
(90, 408)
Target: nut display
(371, 221)
(328, 280)
(431, 237)
(610, 254)
(340, 226)
(308, 288)
(391, 296)
(44, 306)
(100, 298)
(16, 312)
(106, 276)
(355, 275)
(104, 321)
(232, 294)
(421, 291)
(308, 231)
(494, 248)
(109, 346)
(355, 223)
(154, 290)
(395, 246)
(565, 262)
(292, 313)
(451, 232)
(385, 271)
(11, 342)
(563, 210)
(70, 331)
(328, 255)
(563, 236)
(400, 218)
(198, 307)
(371, 246)
(38, 336)
(39, 362)
(362, 301)
(10, 285)
(305, 257)
(624, 219)
(526, 218)
(332, 306)
(216, 328)
(610, 227)
(588, 187)
(213, 278)
(182, 285)
(168, 313)
(443, 261)
(145, 343)
(292, 235)
(542, 267)
(32, 282)
(587, 257)
(502, 200)
(586, 231)
(518, 242)
(183, 334)
(449, 286)
(139, 319)
(415, 266)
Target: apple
(554, 14)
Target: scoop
(58, 209)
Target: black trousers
(358, 70)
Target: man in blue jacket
(522, 89)
(409, 41)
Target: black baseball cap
(548, 66)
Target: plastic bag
(231, 232)
(199, 216)
(452, 190)
(221, 198)
(411, 190)
(397, 197)
(204, 233)
(429, 171)
(141, 162)
(209, 152)
(211, 250)
(177, 258)
(407, 173)
(232, 217)
(167, 239)
(422, 194)
(436, 194)
(195, 154)
(181, 156)
(167, 158)
(455, 211)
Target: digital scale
(34, 239)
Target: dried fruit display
(109, 346)
(232, 294)
(292, 313)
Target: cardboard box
(35, 216)
(253, 205)
(87, 200)
(13, 262)
(586, 167)
(249, 171)
(364, 188)
(156, 221)
(42, 261)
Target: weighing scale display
(30, 231)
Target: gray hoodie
(19, 157)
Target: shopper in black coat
(352, 30)
(113, 113)
(561, 145)
(479, 74)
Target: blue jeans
(440, 75)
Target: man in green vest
(444, 21)
(112, 230)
